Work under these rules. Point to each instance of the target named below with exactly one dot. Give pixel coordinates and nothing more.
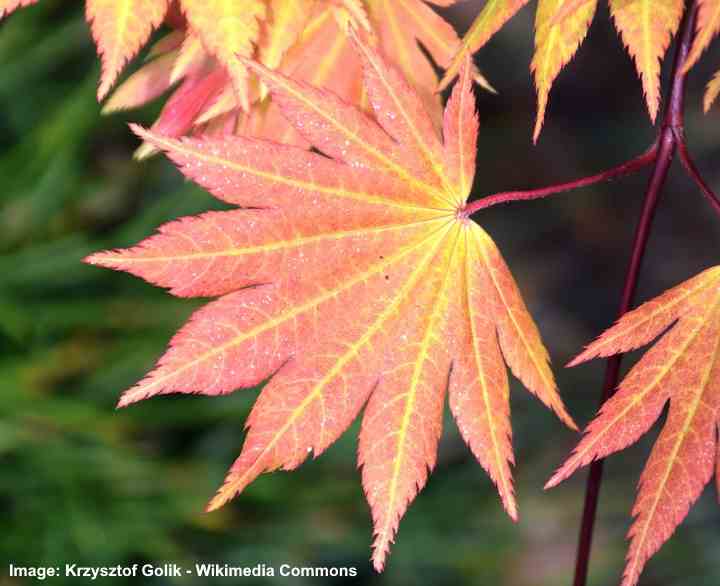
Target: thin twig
(672, 122)
(693, 172)
(625, 168)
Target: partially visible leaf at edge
(120, 28)
(492, 17)
(711, 91)
(646, 27)
(682, 367)
(706, 28)
(555, 45)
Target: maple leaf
(307, 40)
(560, 25)
(206, 94)
(682, 367)
(353, 278)
(120, 28)
(556, 41)
(322, 56)
(646, 27)
(492, 17)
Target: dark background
(81, 482)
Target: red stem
(670, 132)
(693, 172)
(507, 196)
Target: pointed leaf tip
(712, 90)
(641, 325)
(120, 29)
(646, 28)
(555, 45)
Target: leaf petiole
(621, 170)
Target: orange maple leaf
(556, 41)
(560, 27)
(646, 27)
(120, 28)
(306, 40)
(684, 368)
(492, 17)
(356, 280)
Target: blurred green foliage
(83, 483)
